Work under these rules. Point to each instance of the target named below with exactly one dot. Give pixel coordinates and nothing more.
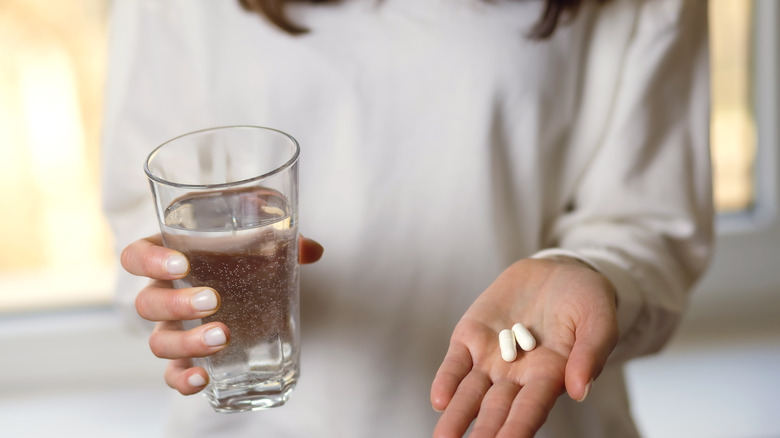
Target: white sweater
(438, 146)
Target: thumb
(594, 341)
(309, 250)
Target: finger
(168, 341)
(530, 408)
(156, 303)
(148, 258)
(309, 251)
(454, 368)
(183, 377)
(463, 407)
(495, 409)
(594, 342)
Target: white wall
(717, 379)
(78, 374)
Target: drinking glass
(227, 198)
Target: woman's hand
(568, 307)
(160, 302)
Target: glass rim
(278, 169)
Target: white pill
(508, 345)
(524, 337)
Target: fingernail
(587, 390)
(196, 380)
(176, 264)
(215, 337)
(204, 300)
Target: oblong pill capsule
(508, 345)
(524, 337)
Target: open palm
(568, 307)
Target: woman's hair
(554, 11)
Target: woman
(462, 175)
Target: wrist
(571, 260)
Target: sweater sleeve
(640, 206)
(154, 91)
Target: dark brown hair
(554, 11)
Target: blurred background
(70, 367)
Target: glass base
(254, 397)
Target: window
(742, 281)
(733, 137)
(55, 243)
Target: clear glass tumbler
(227, 198)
